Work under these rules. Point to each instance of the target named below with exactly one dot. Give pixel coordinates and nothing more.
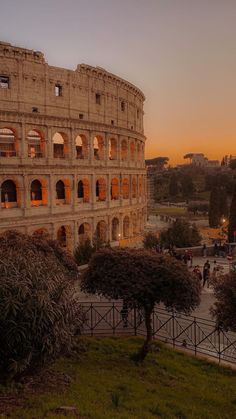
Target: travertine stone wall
(79, 135)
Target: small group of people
(206, 275)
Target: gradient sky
(181, 53)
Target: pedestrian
(206, 273)
(185, 257)
(190, 258)
(216, 250)
(197, 272)
(204, 251)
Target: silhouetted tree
(150, 241)
(173, 185)
(232, 218)
(142, 279)
(214, 207)
(181, 234)
(224, 309)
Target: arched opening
(83, 193)
(84, 232)
(41, 232)
(134, 188)
(60, 192)
(98, 148)
(126, 227)
(81, 146)
(80, 189)
(125, 188)
(135, 224)
(62, 237)
(60, 145)
(140, 186)
(132, 151)
(113, 149)
(8, 143)
(124, 150)
(114, 188)
(101, 189)
(138, 151)
(36, 193)
(35, 144)
(8, 194)
(101, 231)
(115, 229)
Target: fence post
(135, 322)
(195, 335)
(113, 318)
(91, 318)
(173, 328)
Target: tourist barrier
(197, 335)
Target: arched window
(8, 143)
(8, 192)
(36, 190)
(126, 227)
(98, 147)
(135, 224)
(60, 190)
(101, 231)
(35, 144)
(61, 236)
(81, 147)
(101, 189)
(112, 149)
(80, 189)
(115, 229)
(41, 232)
(84, 232)
(114, 188)
(60, 145)
(125, 188)
(134, 188)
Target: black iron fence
(195, 334)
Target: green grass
(106, 384)
(171, 211)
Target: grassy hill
(102, 382)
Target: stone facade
(71, 150)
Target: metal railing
(200, 336)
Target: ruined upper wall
(88, 93)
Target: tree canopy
(142, 279)
(181, 234)
(39, 309)
(224, 309)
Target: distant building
(227, 159)
(200, 160)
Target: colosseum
(71, 151)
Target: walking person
(206, 273)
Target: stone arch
(38, 192)
(81, 146)
(126, 227)
(60, 190)
(113, 149)
(98, 147)
(132, 151)
(124, 150)
(64, 236)
(84, 232)
(114, 188)
(115, 229)
(134, 187)
(9, 144)
(101, 189)
(135, 224)
(101, 231)
(36, 144)
(8, 194)
(125, 188)
(83, 192)
(60, 145)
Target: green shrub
(39, 310)
(150, 241)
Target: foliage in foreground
(150, 241)
(142, 279)
(106, 384)
(39, 311)
(181, 234)
(224, 309)
(83, 252)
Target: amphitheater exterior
(71, 151)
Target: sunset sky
(181, 53)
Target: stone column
(90, 148)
